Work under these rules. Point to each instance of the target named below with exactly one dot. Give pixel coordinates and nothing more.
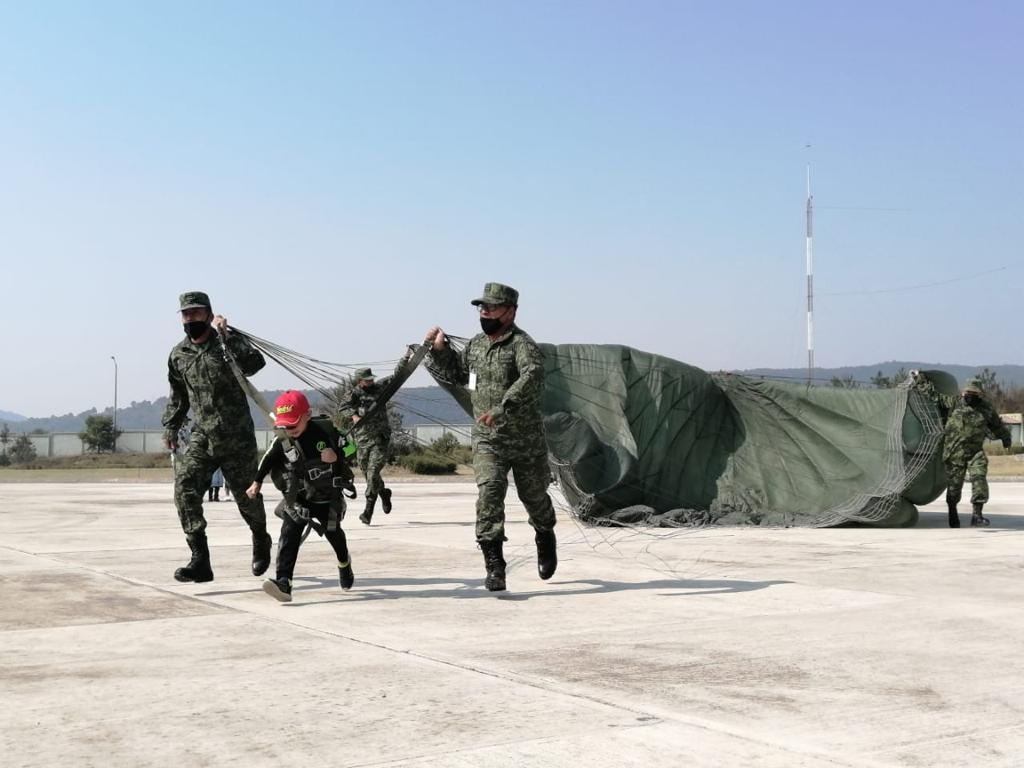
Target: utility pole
(115, 404)
(809, 246)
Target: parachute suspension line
(320, 375)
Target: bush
(448, 446)
(5, 460)
(22, 452)
(422, 464)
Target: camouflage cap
(496, 293)
(973, 385)
(363, 373)
(193, 300)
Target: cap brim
(478, 302)
(194, 306)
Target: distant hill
(418, 405)
(431, 405)
(1006, 375)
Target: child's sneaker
(279, 589)
(345, 575)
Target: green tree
(889, 382)
(99, 434)
(22, 451)
(991, 388)
(5, 438)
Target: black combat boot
(495, 564)
(198, 569)
(954, 518)
(385, 500)
(261, 544)
(977, 519)
(367, 515)
(547, 557)
(345, 576)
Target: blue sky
(341, 176)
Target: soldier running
(504, 371)
(222, 430)
(372, 434)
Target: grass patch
(99, 461)
(94, 475)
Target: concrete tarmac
(706, 647)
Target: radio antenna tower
(810, 278)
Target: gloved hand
(349, 489)
(1006, 442)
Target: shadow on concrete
(438, 524)
(1000, 520)
(378, 589)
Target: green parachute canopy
(636, 438)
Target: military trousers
(373, 455)
(975, 467)
(236, 456)
(532, 477)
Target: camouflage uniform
(509, 378)
(222, 429)
(967, 426)
(372, 436)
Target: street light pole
(115, 403)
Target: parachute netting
(331, 380)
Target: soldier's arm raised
(249, 359)
(446, 361)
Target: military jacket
(201, 379)
(358, 403)
(505, 378)
(967, 425)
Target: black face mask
(971, 399)
(196, 328)
(490, 325)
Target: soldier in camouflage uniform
(372, 435)
(503, 369)
(969, 419)
(222, 430)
